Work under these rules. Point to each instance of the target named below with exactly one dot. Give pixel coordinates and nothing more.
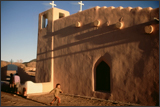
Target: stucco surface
(33, 88)
(3, 73)
(133, 55)
(44, 46)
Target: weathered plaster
(133, 55)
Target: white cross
(80, 3)
(52, 4)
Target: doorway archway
(102, 79)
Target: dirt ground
(44, 100)
(9, 100)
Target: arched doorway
(102, 77)
(11, 67)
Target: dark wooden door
(103, 77)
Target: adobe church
(103, 52)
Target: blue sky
(19, 23)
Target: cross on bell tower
(52, 4)
(80, 3)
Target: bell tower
(45, 45)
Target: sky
(19, 23)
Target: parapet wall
(131, 16)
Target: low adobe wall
(23, 75)
(3, 73)
(26, 82)
(38, 88)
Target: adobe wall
(44, 69)
(43, 64)
(3, 73)
(133, 55)
(23, 75)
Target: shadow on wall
(23, 75)
(106, 34)
(70, 30)
(44, 76)
(3, 73)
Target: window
(61, 15)
(44, 21)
